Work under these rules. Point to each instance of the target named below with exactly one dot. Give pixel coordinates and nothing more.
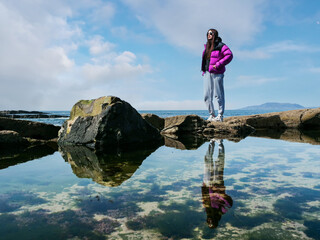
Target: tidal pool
(257, 188)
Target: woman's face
(210, 35)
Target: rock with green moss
(107, 123)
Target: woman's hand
(214, 66)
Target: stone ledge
(307, 119)
(30, 129)
(239, 127)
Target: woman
(215, 57)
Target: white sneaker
(210, 118)
(218, 118)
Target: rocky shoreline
(28, 114)
(111, 124)
(21, 140)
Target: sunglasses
(211, 33)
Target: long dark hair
(211, 43)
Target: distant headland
(273, 106)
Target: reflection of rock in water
(184, 142)
(291, 135)
(106, 169)
(215, 200)
(10, 156)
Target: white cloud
(250, 81)
(171, 105)
(252, 54)
(26, 49)
(98, 46)
(184, 22)
(109, 66)
(123, 32)
(126, 58)
(97, 13)
(30, 62)
(315, 70)
(37, 42)
(108, 73)
(279, 47)
(104, 13)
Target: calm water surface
(254, 189)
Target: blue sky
(148, 52)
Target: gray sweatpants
(213, 86)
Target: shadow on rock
(108, 169)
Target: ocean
(257, 188)
(160, 113)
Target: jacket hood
(218, 40)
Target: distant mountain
(272, 106)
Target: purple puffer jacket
(220, 56)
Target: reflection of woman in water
(215, 201)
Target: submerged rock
(107, 123)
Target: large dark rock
(29, 129)
(154, 120)
(183, 124)
(107, 123)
